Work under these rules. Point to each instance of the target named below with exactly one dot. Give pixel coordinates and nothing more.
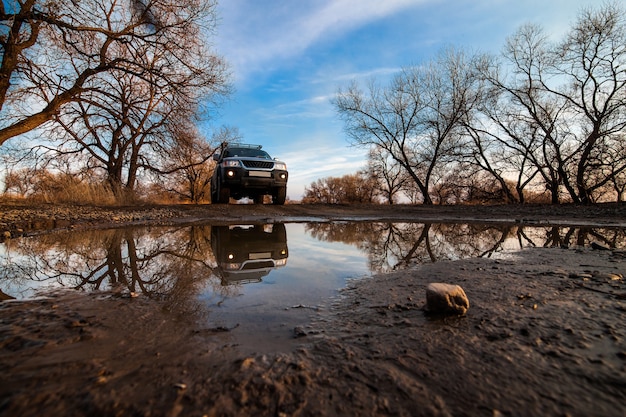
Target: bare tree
(592, 60)
(56, 52)
(130, 119)
(389, 176)
(107, 130)
(416, 120)
(485, 153)
(187, 171)
(554, 111)
(606, 168)
(614, 151)
(526, 125)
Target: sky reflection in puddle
(257, 279)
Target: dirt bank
(544, 336)
(18, 219)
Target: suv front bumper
(236, 177)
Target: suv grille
(258, 164)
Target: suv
(247, 171)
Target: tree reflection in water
(393, 246)
(174, 264)
(161, 262)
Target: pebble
(607, 276)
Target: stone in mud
(446, 298)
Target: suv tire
(279, 196)
(221, 195)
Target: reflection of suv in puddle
(247, 253)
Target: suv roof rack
(243, 145)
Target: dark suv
(248, 171)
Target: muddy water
(255, 285)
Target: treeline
(543, 118)
(369, 188)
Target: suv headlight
(280, 165)
(233, 163)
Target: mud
(21, 218)
(544, 335)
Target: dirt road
(17, 219)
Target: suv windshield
(246, 152)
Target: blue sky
(289, 57)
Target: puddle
(258, 281)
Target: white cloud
(319, 158)
(367, 74)
(255, 35)
(311, 108)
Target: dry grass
(67, 189)
(80, 193)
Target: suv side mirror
(216, 156)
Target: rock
(446, 298)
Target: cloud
(367, 74)
(322, 158)
(314, 107)
(261, 34)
